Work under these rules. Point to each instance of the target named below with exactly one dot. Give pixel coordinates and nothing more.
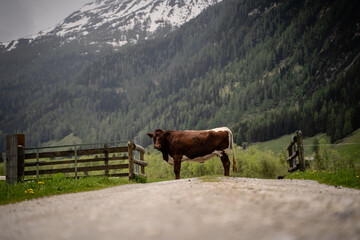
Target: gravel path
(231, 208)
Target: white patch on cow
(170, 160)
(221, 129)
(224, 129)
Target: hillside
(279, 144)
(349, 147)
(263, 68)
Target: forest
(262, 68)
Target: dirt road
(231, 208)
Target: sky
(21, 18)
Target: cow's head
(159, 137)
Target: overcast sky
(20, 18)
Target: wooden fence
(298, 140)
(75, 161)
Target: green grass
(344, 177)
(67, 140)
(349, 147)
(10, 193)
(279, 144)
(2, 169)
(341, 152)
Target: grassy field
(345, 178)
(280, 144)
(349, 147)
(59, 184)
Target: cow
(198, 146)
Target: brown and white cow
(198, 146)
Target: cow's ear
(150, 135)
(167, 133)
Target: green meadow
(340, 178)
(59, 184)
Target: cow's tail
(235, 167)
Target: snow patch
(107, 17)
(12, 45)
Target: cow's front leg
(177, 166)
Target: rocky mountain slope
(121, 22)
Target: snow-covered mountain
(120, 22)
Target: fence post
(290, 151)
(76, 162)
(106, 159)
(37, 164)
(21, 163)
(300, 147)
(130, 157)
(15, 146)
(136, 156)
(142, 159)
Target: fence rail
(23, 162)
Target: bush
(2, 171)
(257, 164)
(329, 159)
(140, 179)
(251, 163)
(159, 169)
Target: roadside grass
(344, 177)
(59, 184)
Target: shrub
(140, 179)
(258, 164)
(329, 159)
(251, 163)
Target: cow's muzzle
(157, 146)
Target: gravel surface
(230, 208)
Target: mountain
(121, 22)
(262, 68)
(32, 67)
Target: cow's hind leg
(226, 163)
(177, 166)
